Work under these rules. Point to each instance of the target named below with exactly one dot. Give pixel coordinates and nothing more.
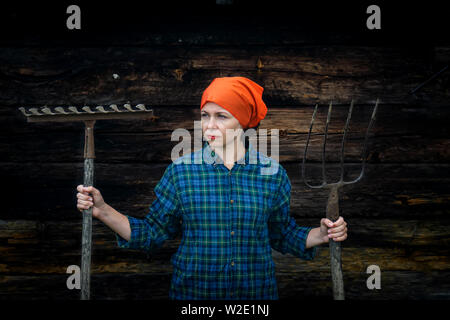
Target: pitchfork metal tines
(88, 115)
(332, 209)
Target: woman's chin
(213, 142)
(216, 143)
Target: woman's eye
(219, 116)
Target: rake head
(72, 113)
(341, 182)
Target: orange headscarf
(240, 96)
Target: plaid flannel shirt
(229, 221)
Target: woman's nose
(212, 122)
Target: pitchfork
(332, 210)
(88, 116)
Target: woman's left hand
(333, 230)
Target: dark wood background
(165, 56)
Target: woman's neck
(231, 153)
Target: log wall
(398, 215)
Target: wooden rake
(332, 209)
(89, 116)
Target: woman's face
(215, 121)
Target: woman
(230, 210)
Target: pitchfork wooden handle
(335, 247)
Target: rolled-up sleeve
(161, 223)
(285, 235)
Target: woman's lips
(212, 137)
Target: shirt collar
(251, 156)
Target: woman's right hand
(90, 197)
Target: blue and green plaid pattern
(229, 221)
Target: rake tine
(115, 108)
(74, 110)
(87, 109)
(306, 149)
(101, 109)
(47, 110)
(343, 140)
(25, 113)
(35, 112)
(128, 107)
(141, 107)
(372, 119)
(60, 110)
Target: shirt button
(229, 173)
(232, 263)
(231, 201)
(232, 233)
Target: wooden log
(399, 135)
(104, 287)
(363, 232)
(381, 193)
(50, 247)
(395, 285)
(392, 120)
(157, 76)
(158, 147)
(296, 278)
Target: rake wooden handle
(86, 238)
(88, 115)
(335, 247)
